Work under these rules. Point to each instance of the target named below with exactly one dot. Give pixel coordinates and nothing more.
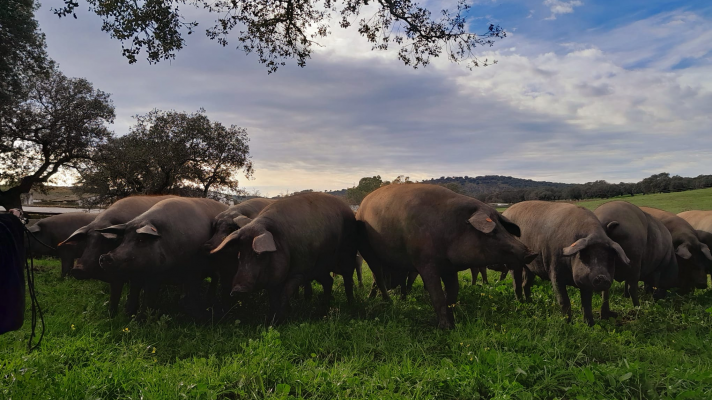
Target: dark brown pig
(165, 245)
(224, 224)
(229, 220)
(573, 248)
(89, 243)
(54, 230)
(693, 257)
(646, 242)
(292, 242)
(436, 232)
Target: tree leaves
(279, 30)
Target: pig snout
(601, 282)
(79, 272)
(240, 289)
(106, 261)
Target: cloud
(561, 7)
(574, 112)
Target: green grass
(700, 199)
(500, 349)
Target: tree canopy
(22, 50)
(59, 122)
(168, 153)
(278, 30)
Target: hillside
(700, 199)
(473, 185)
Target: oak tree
(60, 122)
(168, 152)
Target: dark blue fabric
(12, 280)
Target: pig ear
(264, 243)
(510, 226)
(482, 222)
(233, 237)
(576, 247)
(611, 225)
(620, 252)
(148, 229)
(76, 237)
(706, 251)
(242, 220)
(683, 252)
(34, 228)
(115, 229)
(110, 236)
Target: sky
(582, 90)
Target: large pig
(164, 245)
(54, 230)
(693, 257)
(224, 224)
(646, 242)
(700, 220)
(436, 232)
(292, 242)
(89, 244)
(573, 248)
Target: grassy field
(674, 202)
(500, 349)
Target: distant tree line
(658, 183)
(506, 189)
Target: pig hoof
(609, 314)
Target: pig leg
(518, 275)
(474, 271)
(359, 271)
(431, 279)
(411, 278)
(150, 295)
(132, 302)
(115, 289)
(562, 296)
(626, 292)
(349, 287)
(379, 280)
(452, 288)
(279, 299)
(528, 282)
(308, 292)
(483, 271)
(327, 282)
(67, 264)
(586, 299)
(632, 289)
(606, 306)
(275, 303)
(192, 302)
(503, 275)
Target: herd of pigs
(401, 231)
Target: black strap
(35, 307)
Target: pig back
(700, 220)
